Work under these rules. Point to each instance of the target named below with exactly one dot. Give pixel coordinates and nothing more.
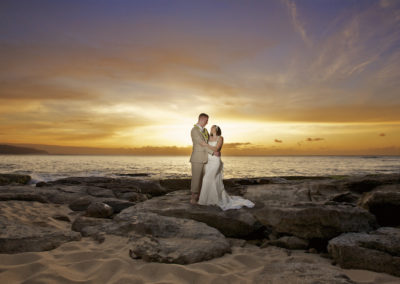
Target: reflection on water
(50, 167)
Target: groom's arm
(198, 138)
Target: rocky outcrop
(310, 221)
(378, 251)
(306, 210)
(367, 183)
(27, 227)
(160, 238)
(15, 238)
(6, 179)
(118, 186)
(384, 203)
(232, 223)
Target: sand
(87, 261)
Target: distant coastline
(230, 149)
(14, 150)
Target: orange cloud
(278, 141)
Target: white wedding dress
(212, 190)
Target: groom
(199, 155)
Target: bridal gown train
(212, 190)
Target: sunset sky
(278, 77)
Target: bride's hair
(218, 130)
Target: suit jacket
(199, 152)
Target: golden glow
(295, 82)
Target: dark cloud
(314, 139)
(278, 141)
(382, 134)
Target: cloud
(298, 25)
(382, 134)
(278, 141)
(314, 139)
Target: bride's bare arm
(216, 148)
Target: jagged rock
(26, 230)
(160, 238)
(378, 251)
(369, 182)
(232, 223)
(177, 250)
(384, 203)
(6, 179)
(118, 185)
(310, 220)
(17, 238)
(99, 210)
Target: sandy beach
(87, 261)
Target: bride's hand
(203, 143)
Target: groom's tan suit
(198, 158)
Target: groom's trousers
(197, 177)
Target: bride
(212, 190)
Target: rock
(100, 192)
(160, 238)
(41, 184)
(81, 204)
(99, 210)
(90, 226)
(175, 240)
(176, 184)
(384, 203)
(61, 217)
(117, 186)
(290, 267)
(378, 251)
(133, 196)
(369, 182)
(177, 250)
(310, 220)
(346, 197)
(232, 223)
(288, 242)
(23, 227)
(117, 204)
(24, 238)
(6, 179)
(23, 196)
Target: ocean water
(51, 167)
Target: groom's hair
(203, 115)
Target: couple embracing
(207, 169)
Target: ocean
(52, 167)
